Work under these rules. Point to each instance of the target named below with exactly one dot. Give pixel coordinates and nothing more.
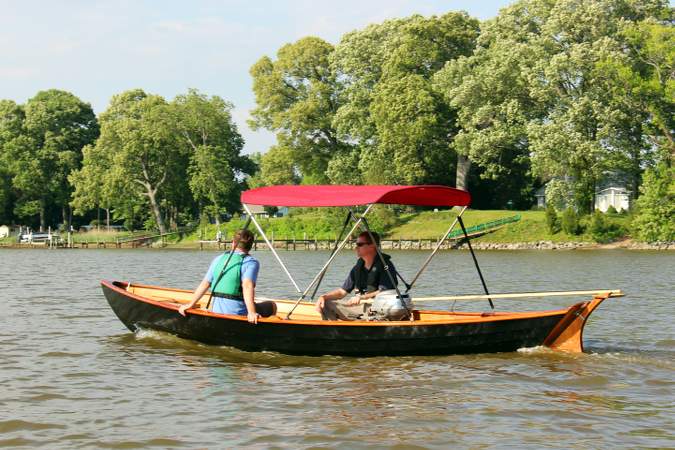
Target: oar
(612, 292)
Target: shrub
(653, 219)
(552, 220)
(570, 222)
(603, 230)
(611, 210)
(383, 219)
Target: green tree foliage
(646, 78)
(655, 217)
(137, 133)
(296, 97)
(11, 121)
(489, 90)
(532, 90)
(42, 145)
(155, 161)
(389, 108)
(276, 167)
(92, 183)
(570, 222)
(603, 230)
(213, 146)
(552, 220)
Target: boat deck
(305, 311)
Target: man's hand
(184, 308)
(355, 300)
(253, 317)
(321, 301)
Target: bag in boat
(389, 306)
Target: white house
(540, 195)
(615, 196)
(4, 231)
(257, 210)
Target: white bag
(387, 305)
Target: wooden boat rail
(305, 310)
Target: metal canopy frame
(360, 220)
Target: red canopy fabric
(348, 195)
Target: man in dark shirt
(368, 277)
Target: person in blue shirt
(233, 286)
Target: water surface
(73, 376)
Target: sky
(96, 49)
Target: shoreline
(624, 244)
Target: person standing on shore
(233, 286)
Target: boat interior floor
(306, 311)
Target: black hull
(355, 340)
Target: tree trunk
(155, 209)
(43, 215)
(65, 213)
(107, 218)
(462, 174)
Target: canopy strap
(222, 272)
(337, 242)
(475, 261)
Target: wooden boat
(430, 333)
(298, 329)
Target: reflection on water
(72, 375)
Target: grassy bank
(531, 227)
(391, 224)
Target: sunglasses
(361, 244)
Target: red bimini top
(349, 195)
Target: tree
(141, 144)
(11, 121)
(389, 107)
(276, 167)
(91, 183)
(296, 97)
(641, 83)
(490, 93)
(654, 220)
(213, 145)
(532, 90)
(56, 126)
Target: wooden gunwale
(469, 317)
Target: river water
(72, 376)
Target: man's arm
(199, 292)
(336, 294)
(359, 297)
(248, 289)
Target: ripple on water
(8, 426)
(83, 380)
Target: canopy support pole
(220, 276)
(475, 261)
(344, 227)
(262, 233)
(433, 253)
(330, 260)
